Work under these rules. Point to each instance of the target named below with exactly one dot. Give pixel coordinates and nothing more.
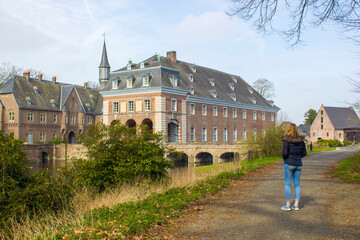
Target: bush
(269, 144)
(349, 169)
(329, 143)
(117, 155)
(346, 143)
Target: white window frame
(234, 113)
(225, 134)
(115, 107)
(244, 114)
(147, 105)
(272, 117)
(235, 135)
(192, 134)
(115, 84)
(55, 118)
(30, 117)
(225, 111)
(192, 108)
(254, 115)
(215, 111)
(215, 135)
(263, 116)
(66, 119)
(72, 119)
(204, 135)
(130, 106)
(43, 117)
(174, 81)
(129, 82)
(204, 109)
(146, 81)
(173, 104)
(244, 134)
(42, 136)
(11, 116)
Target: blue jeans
(292, 174)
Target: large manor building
(186, 102)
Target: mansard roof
(343, 118)
(45, 95)
(202, 81)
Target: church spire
(104, 68)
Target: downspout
(19, 137)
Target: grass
(130, 210)
(349, 169)
(322, 149)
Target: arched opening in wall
(204, 158)
(173, 131)
(44, 157)
(80, 131)
(132, 125)
(71, 137)
(227, 157)
(179, 158)
(147, 122)
(319, 138)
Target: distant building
(336, 123)
(38, 110)
(304, 130)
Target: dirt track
(250, 207)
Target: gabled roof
(304, 129)
(162, 71)
(44, 94)
(343, 118)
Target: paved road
(329, 208)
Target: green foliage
(56, 140)
(310, 116)
(117, 155)
(329, 143)
(270, 144)
(349, 169)
(22, 192)
(129, 218)
(346, 143)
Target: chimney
(172, 56)
(27, 75)
(54, 79)
(40, 76)
(85, 85)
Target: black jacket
(293, 150)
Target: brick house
(38, 110)
(336, 123)
(186, 102)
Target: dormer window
(253, 100)
(35, 88)
(212, 82)
(88, 106)
(146, 80)
(191, 77)
(129, 82)
(192, 91)
(28, 100)
(235, 79)
(193, 68)
(174, 81)
(91, 97)
(233, 97)
(129, 66)
(115, 83)
(142, 65)
(52, 101)
(232, 86)
(251, 90)
(213, 93)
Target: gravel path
(250, 207)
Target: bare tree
(265, 88)
(301, 13)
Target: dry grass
(47, 226)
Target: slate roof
(43, 94)
(343, 118)
(304, 129)
(161, 72)
(104, 59)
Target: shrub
(346, 143)
(116, 155)
(329, 143)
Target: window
(244, 114)
(54, 136)
(339, 135)
(215, 110)
(192, 91)
(130, 106)
(66, 119)
(232, 86)
(115, 107)
(192, 134)
(327, 134)
(212, 82)
(263, 116)
(72, 119)
(314, 134)
(225, 111)
(203, 109)
(322, 126)
(263, 132)
(142, 65)
(115, 84)
(173, 105)
(191, 77)
(255, 133)
(192, 108)
(82, 120)
(204, 134)
(89, 120)
(55, 118)
(146, 80)
(225, 134)
(244, 133)
(128, 67)
(42, 136)
(174, 81)
(30, 117)
(322, 119)
(215, 134)
(43, 117)
(272, 117)
(11, 116)
(322, 112)
(234, 113)
(254, 115)
(235, 135)
(147, 105)
(129, 82)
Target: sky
(64, 38)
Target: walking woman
(293, 150)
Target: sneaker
(286, 208)
(296, 208)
